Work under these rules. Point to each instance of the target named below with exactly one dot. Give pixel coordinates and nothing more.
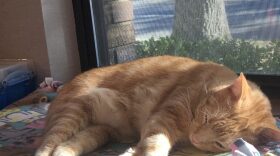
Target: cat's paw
(64, 151)
(136, 152)
(129, 152)
(43, 152)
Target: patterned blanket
(21, 130)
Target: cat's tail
(63, 122)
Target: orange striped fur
(157, 101)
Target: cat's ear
(239, 88)
(268, 135)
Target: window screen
(241, 34)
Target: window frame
(270, 84)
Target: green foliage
(240, 55)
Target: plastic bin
(8, 66)
(16, 81)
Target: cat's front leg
(158, 136)
(155, 145)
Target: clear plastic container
(8, 66)
(17, 79)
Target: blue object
(15, 86)
(51, 95)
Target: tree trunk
(200, 19)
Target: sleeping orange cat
(159, 102)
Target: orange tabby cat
(158, 101)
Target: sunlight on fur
(157, 102)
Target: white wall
(61, 38)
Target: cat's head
(238, 110)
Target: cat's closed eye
(220, 145)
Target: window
(242, 34)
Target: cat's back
(139, 71)
(147, 66)
(125, 77)
(151, 71)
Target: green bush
(240, 55)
